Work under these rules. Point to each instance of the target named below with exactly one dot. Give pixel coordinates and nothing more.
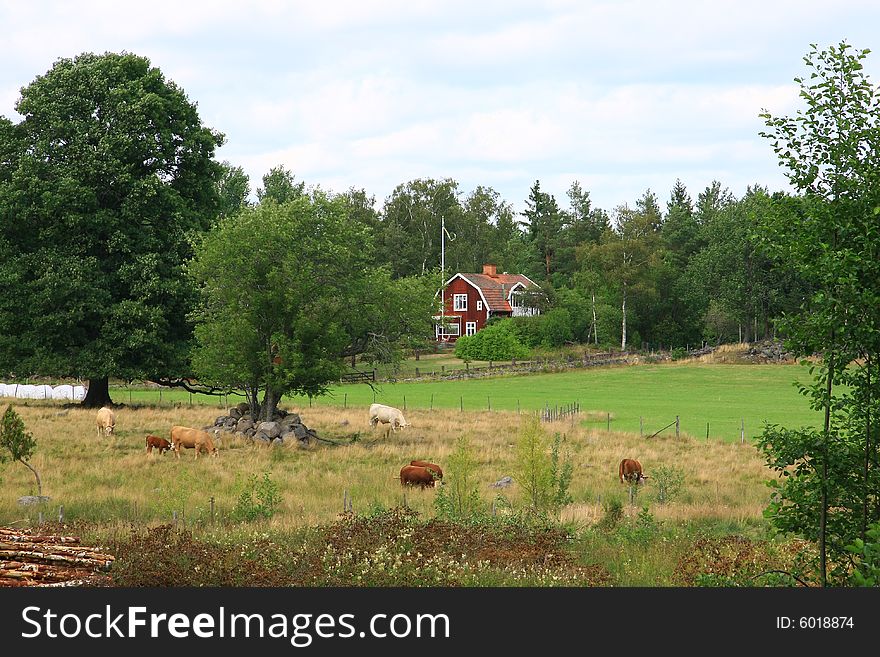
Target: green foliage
(831, 237)
(612, 514)
(866, 570)
(108, 176)
(494, 342)
(16, 443)
(543, 479)
(258, 500)
(678, 353)
(642, 531)
(287, 292)
(459, 496)
(668, 480)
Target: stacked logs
(28, 559)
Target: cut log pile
(28, 559)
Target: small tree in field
(19, 443)
(459, 498)
(543, 479)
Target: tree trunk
(270, 403)
(36, 475)
(867, 491)
(623, 322)
(595, 323)
(98, 394)
(823, 511)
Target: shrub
(257, 500)
(668, 480)
(866, 569)
(494, 342)
(544, 482)
(459, 496)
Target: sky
(621, 96)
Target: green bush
(495, 342)
(542, 478)
(866, 569)
(257, 500)
(459, 497)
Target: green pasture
(634, 398)
(631, 398)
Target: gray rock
(504, 482)
(244, 424)
(301, 432)
(262, 437)
(32, 500)
(235, 413)
(277, 441)
(271, 429)
(290, 420)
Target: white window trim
(455, 302)
(470, 328)
(479, 304)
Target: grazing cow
(159, 443)
(106, 421)
(192, 439)
(436, 469)
(416, 475)
(630, 470)
(387, 415)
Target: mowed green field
(640, 397)
(635, 398)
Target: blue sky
(619, 96)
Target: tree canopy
(278, 316)
(103, 185)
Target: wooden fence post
(641, 426)
(742, 430)
(677, 427)
(212, 509)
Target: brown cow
(630, 470)
(416, 475)
(192, 439)
(159, 443)
(438, 472)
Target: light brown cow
(159, 443)
(438, 472)
(416, 475)
(630, 470)
(192, 439)
(105, 421)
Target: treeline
(649, 275)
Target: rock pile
(771, 351)
(283, 428)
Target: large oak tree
(103, 183)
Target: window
(479, 305)
(448, 329)
(515, 300)
(470, 328)
(459, 302)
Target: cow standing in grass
(105, 421)
(393, 417)
(630, 470)
(195, 439)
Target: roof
(496, 289)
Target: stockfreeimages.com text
(300, 629)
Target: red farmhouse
(469, 300)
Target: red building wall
(460, 286)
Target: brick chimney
(490, 270)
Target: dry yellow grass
(113, 478)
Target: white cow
(105, 421)
(387, 415)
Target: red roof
(496, 288)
